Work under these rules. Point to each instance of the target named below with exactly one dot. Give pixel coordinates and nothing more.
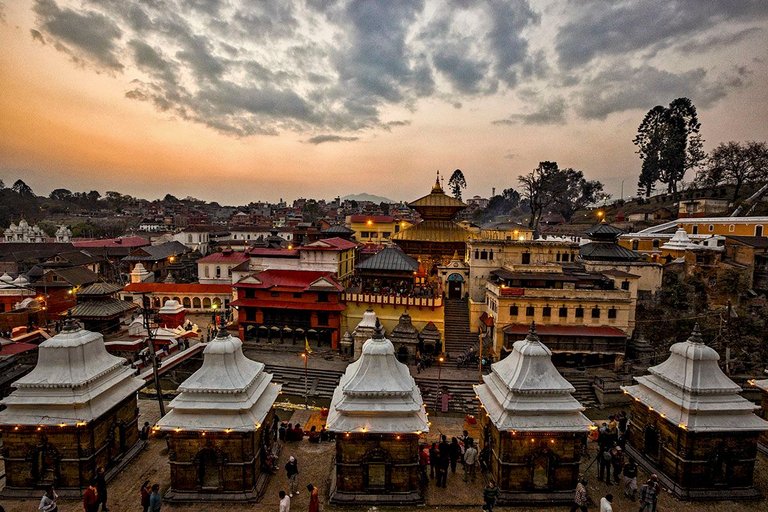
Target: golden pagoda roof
(434, 231)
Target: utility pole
(305, 355)
(146, 311)
(480, 358)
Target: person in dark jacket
(433, 460)
(490, 493)
(101, 487)
(454, 453)
(444, 460)
(292, 472)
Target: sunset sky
(239, 101)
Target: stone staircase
(320, 382)
(582, 382)
(458, 337)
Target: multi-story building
(216, 268)
(375, 228)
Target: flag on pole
(306, 345)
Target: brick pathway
(315, 466)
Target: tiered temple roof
(75, 381)
(228, 393)
(690, 390)
(377, 394)
(525, 392)
(404, 331)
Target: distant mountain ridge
(367, 197)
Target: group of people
(436, 460)
(292, 473)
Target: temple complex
(434, 240)
(691, 427)
(377, 414)
(73, 413)
(221, 427)
(532, 425)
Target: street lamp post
(146, 312)
(305, 356)
(439, 372)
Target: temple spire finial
(70, 324)
(222, 332)
(378, 333)
(696, 336)
(437, 187)
(532, 337)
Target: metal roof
(391, 259)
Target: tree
(22, 189)
(457, 183)
(736, 164)
(61, 194)
(549, 188)
(669, 144)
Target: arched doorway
(455, 285)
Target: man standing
(630, 479)
(444, 458)
(285, 502)
(606, 503)
(580, 497)
(470, 460)
(292, 471)
(155, 499)
(101, 487)
(649, 493)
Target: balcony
(393, 300)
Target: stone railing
(393, 300)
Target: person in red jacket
(91, 498)
(314, 498)
(144, 492)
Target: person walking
(101, 487)
(470, 461)
(145, 492)
(629, 475)
(606, 503)
(490, 493)
(424, 464)
(454, 453)
(580, 498)
(604, 465)
(48, 501)
(444, 460)
(285, 502)
(292, 472)
(433, 460)
(155, 499)
(91, 497)
(314, 498)
(649, 494)
(617, 461)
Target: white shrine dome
(369, 320)
(75, 381)
(171, 307)
(680, 241)
(691, 391)
(6, 278)
(229, 392)
(377, 394)
(525, 392)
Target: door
(455, 285)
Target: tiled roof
(330, 244)
(100, 289)
(434, 231)
(177, 288)
(297, 279)
(235, 257)
(274, 253)
(158, 252)
(338, 230)
(76, 276)
(127, 241)
(102, 308)
(567, 330)
(374, 218)
(607, 251)
(753, 241)
(604, 230)
(391, 259)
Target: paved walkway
(315, 466)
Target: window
(513, 310)
(274, 294)
(483, 254)
(711, 228)
(490, 255)
(529, 311)
(625, 285)
(612, 314)
(322, 296)
(573, 256)
(695, 230)
(579, 312)
(557, 257)
(207, 271)
(731, 228)
(386, 234)
(563, 312)
(477, 254)
(546, 312)
(595, 312)
(218, 271)
(189, 238)
(759, 230)
(322, 318)
(635, 244)
(250, 293)
(365, 234)
(656, 243)
(526, 258)
(297, 295)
